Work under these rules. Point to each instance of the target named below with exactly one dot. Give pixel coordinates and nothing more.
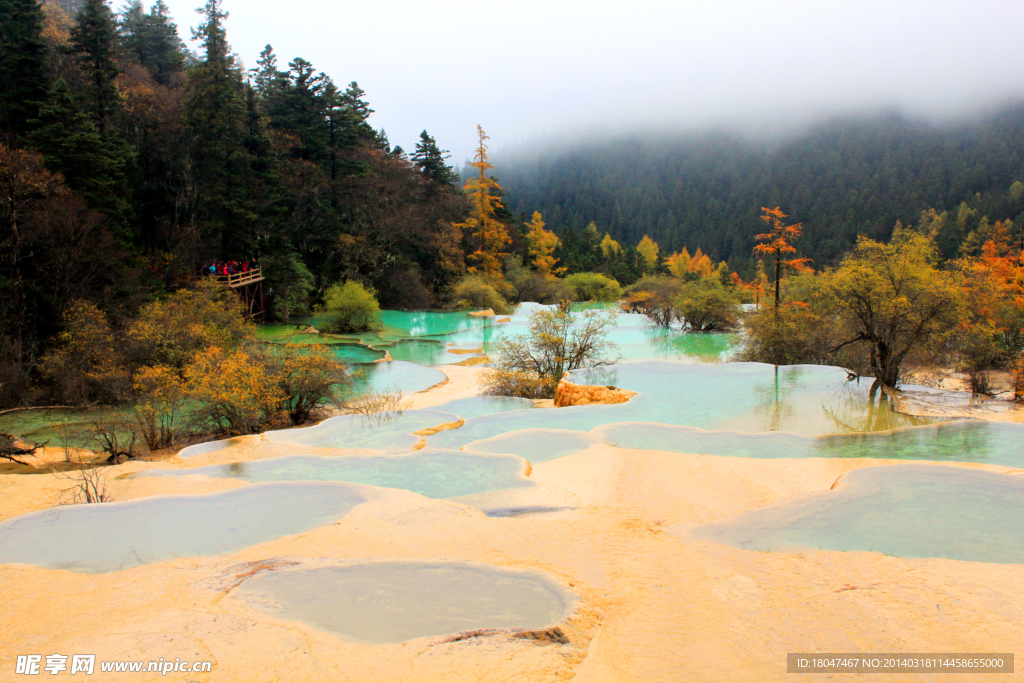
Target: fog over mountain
(535, 70)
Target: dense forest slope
(841, 178)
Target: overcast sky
(525, 69)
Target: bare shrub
(380, 406)
(557, 343)
(117, 439)
(11, 448)
(89, 485)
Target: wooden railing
(240, 279)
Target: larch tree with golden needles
(610, 247)
(542, 245)
(490, 235)
(777, 242)
(650, 250)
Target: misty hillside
(841, 178)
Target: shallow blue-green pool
(431, 473)
(902, 510)
(115, 536)
(391, 602)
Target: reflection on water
(902, 510)
(116, 536)
(408, 377)
(963, 441)
(811, 400)
(425, 337)
(391, 602)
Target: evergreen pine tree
(93, 42)
(297, 104)
(431, 162)
(152, 39)
(23, 73)
(91, 165)
(216, 113)
(265, 75)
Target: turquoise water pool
(903, 510)
(357, 431)
(425, 337)
(749, 397)
(431, 473)
(392, 602)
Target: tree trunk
(17, 297)
(885, 364)
(778, 266)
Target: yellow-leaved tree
(649, 249)
(542, 245)
(490, 236)
(610, 247)
(893, 298)
(681, 263)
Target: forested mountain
(841, 178)
(127, 163)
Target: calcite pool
(391, 602)
(117, 536)
(431, 473)
(909, 511)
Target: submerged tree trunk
(885, 363)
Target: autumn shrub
(306, 376)
(480, 291)
(522, 384)
(89, 363)
(544, 289)
(706, 305)
(170, 331)
(788, 335)
(160, 408)
(350, 307)
(594, 287)
(977, 351)
(235, 390)
(558, 342)
(655, 297)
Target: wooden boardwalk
(241, 279)
(249, 287)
